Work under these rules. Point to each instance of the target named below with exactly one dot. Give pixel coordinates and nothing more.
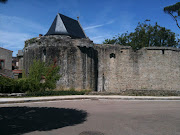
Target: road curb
(41, 99)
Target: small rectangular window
(1, 64)
(44, 55)
(162, 51)
(112, 55)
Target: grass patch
(45, 93)
(56, 93)
(141, 93)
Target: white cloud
(100, 25)
(98, 36)
(13, 41)
(10, 38)
(15, 30)
(13, 23)
(101, 31)
(95, 26)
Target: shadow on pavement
(19, 120)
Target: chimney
(40, 35)
(77, 18)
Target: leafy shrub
(38, 70)
(28, 85)
(7, 85)
(32, 82)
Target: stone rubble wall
(74, 56)
(151, 68)
(106, 68)
(6, 55)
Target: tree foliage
(39, 71)
(145, 35)
(7, 85)
(3, 1)
(33, 82)
(173, 11)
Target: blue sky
(24, 19)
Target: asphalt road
(91, 117)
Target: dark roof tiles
(63, 25)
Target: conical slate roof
(63, 25)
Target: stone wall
(152, 68)
(111, 68)
(74, 56)
(20, 59)
(6, 55)
(20, 63)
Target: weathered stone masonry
(111, 68)
(153, 68)
(6, 56)
(74, 56)
(84, 65)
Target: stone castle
(101, 67)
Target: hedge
(56, 93)
(8, 85)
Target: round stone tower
(67, 43)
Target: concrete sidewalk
(79, 97)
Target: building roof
(6, 73)
(63, 25)
(17, 71)
(6, 49)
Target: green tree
(144, 36)
(33, 82)
(38, 71)
(52, 76)
(3, 1)
(174, 12)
